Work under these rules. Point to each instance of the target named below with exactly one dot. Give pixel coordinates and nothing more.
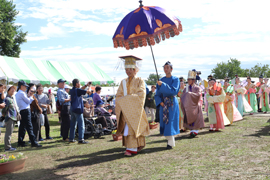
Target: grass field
(241, 151)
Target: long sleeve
(26, 99)
(241, 90)
(141, 91)
(220, 98)
(267, 90)
(260, 91)
(8, 105)
(87, 113)
(61, 97)
(158, 97)
(210, 99)
(170, 89)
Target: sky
(82, 30)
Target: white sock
(132, 149)
(171, 140)
(195, 131)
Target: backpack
(58, 105)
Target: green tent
(48, 72)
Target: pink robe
(236, 114)
(267, 90)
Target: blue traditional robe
(169, 88)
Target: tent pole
(154, 61)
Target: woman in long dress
(264, 95)
(230, 109)
(251, 96)
(240, 101)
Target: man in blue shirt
(77, 110)
(64, 101)
(23, 101)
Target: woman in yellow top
(132, 122)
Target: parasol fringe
(145, 40)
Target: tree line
(233, 67)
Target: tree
(152, 79)
(257, 70)
(11, 35)
(229, 69)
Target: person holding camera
(44, 101)
(77, 107)
(23, 101)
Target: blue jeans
(76, 118)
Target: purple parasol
(144, 26)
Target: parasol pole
(154, 61)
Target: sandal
(128, 154)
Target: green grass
(241, 151)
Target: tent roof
(48, 72)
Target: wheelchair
(91, 129)
(108, 119)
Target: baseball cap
(60, 81)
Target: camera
(199, 72)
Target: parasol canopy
(146, 25)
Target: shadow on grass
(35, 174)
(29, 148)
(185, 136)
(262, 132)
(101, 157)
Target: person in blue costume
(166, 101)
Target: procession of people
(180, 105)
(177, 106)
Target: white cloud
(47, 32)
(52, 30)
(36, 38)
(97, 28)
(53, 47)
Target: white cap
(67, 87)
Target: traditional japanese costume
(251, 97)
(216, 115)
(264, 95)
(240, 101)
(192, 106)
(230, 109)
(132, 122)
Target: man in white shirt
(23, 101)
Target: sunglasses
(33, 91)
